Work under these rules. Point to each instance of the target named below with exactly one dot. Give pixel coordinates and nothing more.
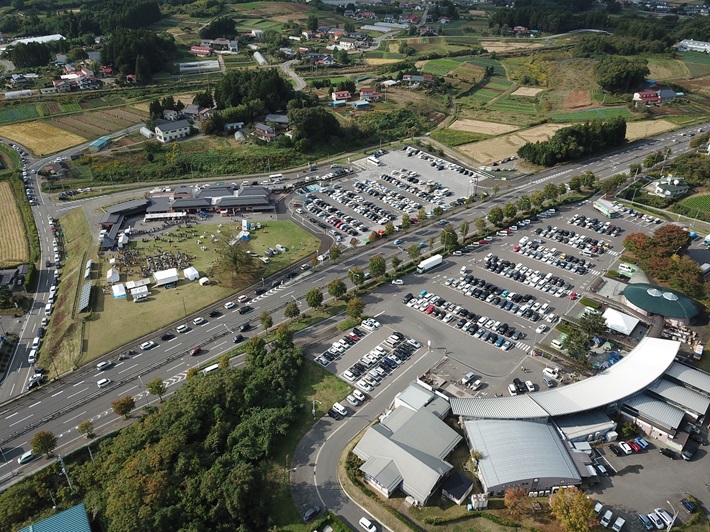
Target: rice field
(41, 137)
(14, 248)
(98, 123)
(591, 114)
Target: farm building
(41, 39)
(338, 96)
(11, 95)
(193, 67)
(202, 51)
(99, 144)
(147, 133)
(261, 61)
(165, 277)
(172, 131)
(361, 104)
(692, 45)
(239, 136)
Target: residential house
(257, 34)
(204, 113)
(170, 131)
(233, 47)
(191, 111)
(341, 96)
(171, 114)
(264, 132)
(60, 59)
(647, 98)
(413, 19)
(201, 51)
(346, 43)
(369, 94)
(307, 34)
(670, 187)
(18, 80)
(279, 119)
(62, 85)
(336, 33)
(667, 95)
(369, 15)
(417, 78)
(328, 60)
(349, 13)
(521, 30)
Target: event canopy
(620, 322)
(191, 273)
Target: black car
(332, 413)
(309, 514)
(245, 309)
(667, 452)
(519, 385)
(41, 331)
(215, 313)
(407, 298)
(260, 291)
(616, 450)
(167, 336)
(358, 332)
(690, 506)
(238, 338)
(244, 327)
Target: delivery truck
(430, 263)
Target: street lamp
(675, 514)
(313, 409)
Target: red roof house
(341, 96)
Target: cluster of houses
(78, 77)
(655, 96)
(220, 45)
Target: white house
(172, 131)
(670, 187)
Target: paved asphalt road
(60, 406)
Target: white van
(586, 253)
(48, 309)
(623, 267)
(103, 383)
(340, 409)
(35, 342)
(556, 344)
(32, 357)
(552, 373)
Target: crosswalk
(523, 346)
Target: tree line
(140, 52)
(575, 141)
(201, 462)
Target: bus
(373, 160)
(276, 177)
(605, 207)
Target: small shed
(361, 104)
(112, 276)
(119, 291)
(147, 133)
(164, 277)
(191, 273)
(204, 281)
(239, 136)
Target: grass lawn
(590, 114)
(454, 137)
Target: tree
(464, 228)
(588, 179)
(292, 311)
(495, 216)
(86, 428)
(575, 183)
(123, 406)
(509, 211)
(413, 251)
(337, 288)
(431, 245)
(514, 500)
(235, 264)
(396, 262)
(266, 320)
(422, 214)
(576, 343)
(562, 188)
(378, 266)
(438, 210)
(314, 298)
(224, 361)
(448, 237)
(203, 99)
(43, 442)
(618, 74)
(537, 198)
(357, 276)
(670, 240)
(573, 510)
(156, 387)
(335, 252)
(389, 229)
(353, 242)
(143, 73)
(312, 23)
(355, 307)
(551, 191)
(638, 244)
(480, 224)
(192, 372)
(524, 204)
(373, 236)
(593, 324)
(406, 221)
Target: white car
(106, 364)
(530, 386)
(398, 281)
(229, 305)
(364, 386)
(32, 357)
(367, 525)
(357, 394)
(541, 328)
(281, 248)
(147, 345)
(665, 516)
(182, 328)
(625, 447)
(656, 521)
(414, 343)
(198, 321)
(103, 383)
(352, 400)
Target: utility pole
(66, 474)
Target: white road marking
(173, 346)
(61, 391)
(76, 416)
(21, 420)
(126, 369)
(77, 393)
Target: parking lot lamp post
(313, 409)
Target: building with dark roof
(650, 299)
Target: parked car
(309, 514)
(145, 346)
(667, 452)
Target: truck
(430, 263)
(607, 208)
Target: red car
(483, 242)
(516, 248)
(195, 351)
(414, 220)
(635, 446)
(354, 337)
(429, 309)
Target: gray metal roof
(159, 204)
(681, 396)
(580, 425)
(237, 201)
(519, 450)
(172, 126)
(656, 410)
(384, 471)
(692, 377)
(191, 203)
(417, 443)
(416, 396)
(215, 192)
(127, 206)
(520, 407)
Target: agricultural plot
(500, 46)
(42, 138)
(529, 92)
(478, 126)
(499, 148)
(498, 69)
(698, 64)
(647, 128)
(14, 248)
(439, 67)
(495, 87)
(662, 68)
(15, 114)
(514, 105)
(99, 123)
(454, 137)
(591, 114)
(700, 203)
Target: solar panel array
(85, 298)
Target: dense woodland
(575, 141)
(201, 462)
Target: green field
(439, 67)
(69, 107)
(701, 203)
(698, 63)
(454, 137)
(514, 105)
(498, 69)
(591, 114)
(14, 114)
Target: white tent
(164, 277)
(122, 241)
(112, 276)
(119, 291)
(191, 273)
(204, 281)
(140, 292)
(620, 322)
